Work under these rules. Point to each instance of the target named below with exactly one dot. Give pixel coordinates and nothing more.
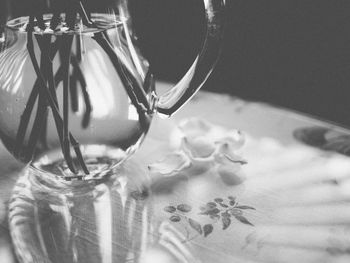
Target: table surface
(297, 179)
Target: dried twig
(52, 103)
(25, 117)
(45, 86)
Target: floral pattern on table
(219, 211)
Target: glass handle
(203, 65)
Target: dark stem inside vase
(59, 36)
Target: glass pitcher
(76, 95)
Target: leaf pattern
(225, 214)
(207, 229)
(211, 204)
(217, 210)
(175, 218)
(195, 225)
(184, 208)
(235, 211)
(232, 202)
(218, 200)
(202, 208)
(214, 217)
(243, 219)
(245, 207)
(214, 211)
(226, 222)
(210, 211)
(170, 209)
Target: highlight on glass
(76, 95)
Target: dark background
(292, 53)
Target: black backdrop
(293, 53)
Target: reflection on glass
(72, 77)
(109, 221)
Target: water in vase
(89, 104)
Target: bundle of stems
(45, 86)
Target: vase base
(81, 221)
(100, 161)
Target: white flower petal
(235, 138)
(176, 137)
(225, 153)
(203, 146)
(170, 165)
(199, 147)
(231, 174)
(216, 133)
(198, 166)
(194, 127)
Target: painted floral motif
(219, 211)
(324, 138)
(201, 146)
